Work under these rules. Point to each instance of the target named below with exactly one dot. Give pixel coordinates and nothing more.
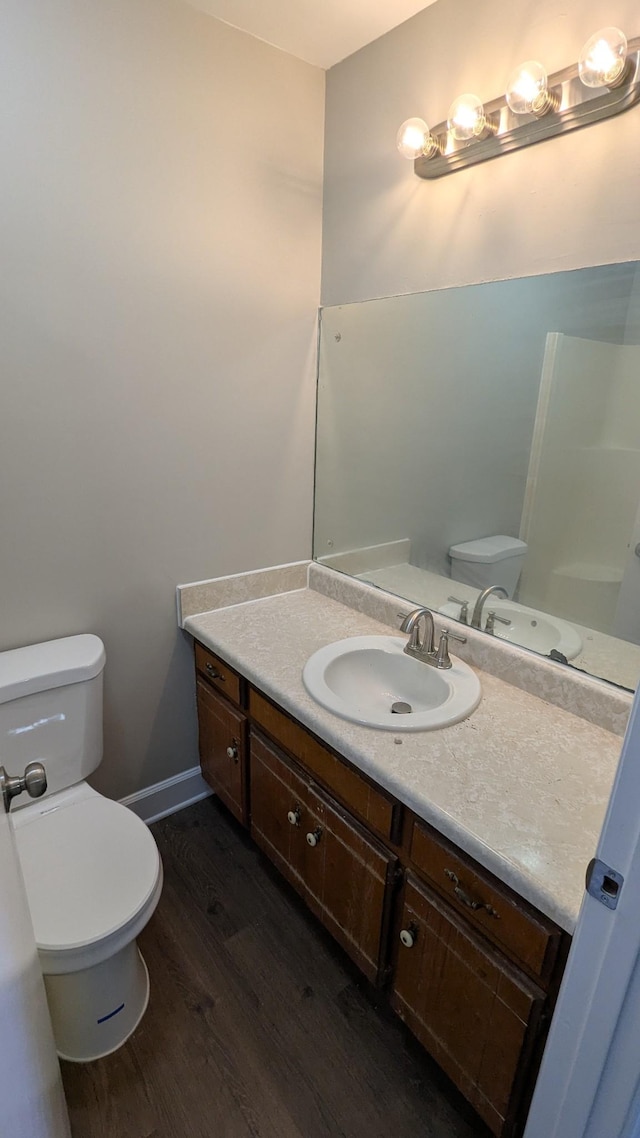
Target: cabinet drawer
(476, 1014)
(524, 934)
(366, 801)
(219, 674)
(222, 747)
(344, 876)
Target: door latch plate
(604, 883)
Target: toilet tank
(488, 561)
(51, 709)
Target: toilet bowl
(91, 867)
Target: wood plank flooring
(258, 1026)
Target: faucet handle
(464, 609)
(443, 659)
(492, 617)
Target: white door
(589, 1083)
(33, 1103)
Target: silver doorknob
(34, 781)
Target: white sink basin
(361, 678)
(529, 628)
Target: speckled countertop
(522, 785)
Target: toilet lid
(89, 868)
(488, 550)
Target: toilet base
(95, 1010)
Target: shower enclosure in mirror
(489, 435)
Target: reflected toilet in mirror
(489, 561)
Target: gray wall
(160, 212)
(566, 203)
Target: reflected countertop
(522, 785)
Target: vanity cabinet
(471, 968)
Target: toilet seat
(93, 876)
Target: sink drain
(400, 708)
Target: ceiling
(320, 31)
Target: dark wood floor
(258, 1026)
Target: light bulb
(528, 91)
(467, 118)
(603, 59)
(415, 140)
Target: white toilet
(91, 867)
(488, 561)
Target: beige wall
(160, 210)
(566, 203)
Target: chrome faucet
(476, 619)
(422, 647)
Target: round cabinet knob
(294, 816)
(232, 752)
(314, 838)
(408, 937)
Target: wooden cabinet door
(279, 797)
(343, 874)
(348, 877)
(222, 746)
(476, 1015)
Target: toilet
(489, 561)
(91, 868)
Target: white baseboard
(163, 798)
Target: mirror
(490, 435)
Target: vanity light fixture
(604, 82)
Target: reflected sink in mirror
(528, 628)
(363, 678)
